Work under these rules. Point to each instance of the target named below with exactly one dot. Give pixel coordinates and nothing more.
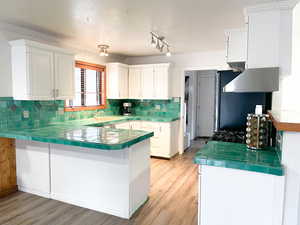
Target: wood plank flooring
(172, 201)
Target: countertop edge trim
(283, 126)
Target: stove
(229, 136)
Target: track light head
(168, 52)
(159, 43)
(153, 43)
(103, 50)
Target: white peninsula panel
(116, 182)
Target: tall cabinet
(41, 72)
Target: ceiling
(188, 25)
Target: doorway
(200, 101)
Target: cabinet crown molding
(30, 43)
(280, 5)
(150, 65)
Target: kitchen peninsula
(104, 169)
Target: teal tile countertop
(118, 119)
(79, 133)
(237, 156)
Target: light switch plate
(26, 114)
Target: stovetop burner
(229, 136)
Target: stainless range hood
(255, 80)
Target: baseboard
(73, 201)
(34, 191)
(8, 191)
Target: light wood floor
(173, 201)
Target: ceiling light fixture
(160, 43)
(103, 50)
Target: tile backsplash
(31, 114)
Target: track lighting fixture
(103, 50)
(168, 52)
(160, 43)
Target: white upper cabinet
(236, 45)
(149, 81)
(41, 72)
(148, 89)
(64, 76)
(117, 81)
(263, 36)
(161, 81)
(40, 83)
(135, 83)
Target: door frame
(182, 71)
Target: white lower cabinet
(235, 197)
(165, 139)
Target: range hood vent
(255, 80)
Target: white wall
(289, 61)
(10, 32)
(214, 60)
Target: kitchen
(82, 112)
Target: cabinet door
(263, 39)
(236, 45)
(135, 83)
(161, 82)
(64, 76)
(123, 82)
(40, 74)
(147, 82)
(113, 89)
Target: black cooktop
(229, 136)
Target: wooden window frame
(96, 67)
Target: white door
(64, 76)
(123, 81)
(205, 104)
(161, 82)
(41, 74)
(147, 82)
(135, 83)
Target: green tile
(77, 134)
(237, 156)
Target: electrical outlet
(26, 114)
(61, 111)
(157, 107)
(176, 99)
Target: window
(89, 87)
